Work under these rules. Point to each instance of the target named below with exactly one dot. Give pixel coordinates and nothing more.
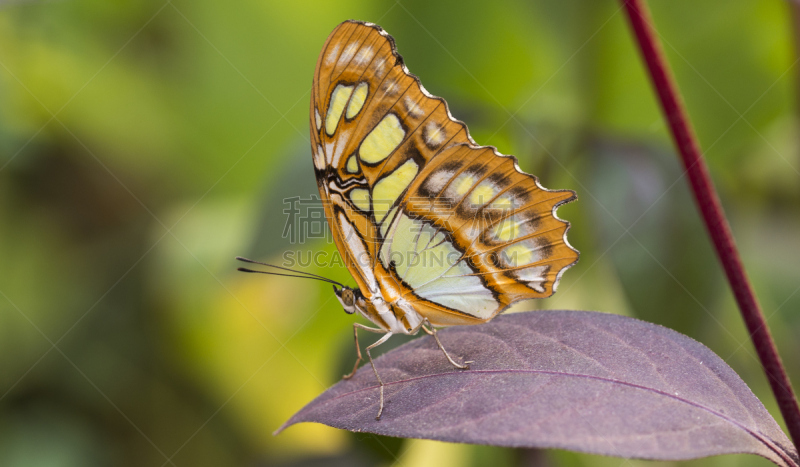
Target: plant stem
(708, 202)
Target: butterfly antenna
(305, 275)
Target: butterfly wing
(358, 83)
(419, 212)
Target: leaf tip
(285, 425)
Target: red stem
(708, 202)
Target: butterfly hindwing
(418, 210)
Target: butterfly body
(435, 229)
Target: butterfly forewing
(419, 211)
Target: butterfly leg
(356, 326)
(380, 382)
(432, 332)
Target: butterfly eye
(346, 298)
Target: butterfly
(435, 230)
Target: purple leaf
(584, 381)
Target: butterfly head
(348, 298)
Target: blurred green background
(145, 144)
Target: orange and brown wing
(368, 116)
(510, 245)
(419, 212)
